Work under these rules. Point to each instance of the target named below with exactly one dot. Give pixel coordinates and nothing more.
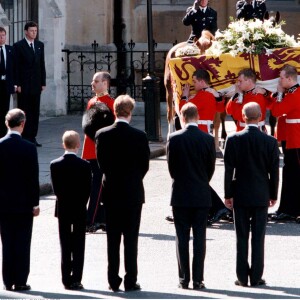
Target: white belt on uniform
(205, 122)
(208, 123)
(292, 121)
(260, 124)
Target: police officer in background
(200, 17)
(251, 9)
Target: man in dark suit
(251, 183)
(6, 79)
(123, 156)
(30, 78)
(201, 17)
(19, 201)
(71, 181)
(251, 9)
(191, 159)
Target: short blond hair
(71, 139)
(123, 106)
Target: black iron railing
(82, 64)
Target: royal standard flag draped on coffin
(224, 69)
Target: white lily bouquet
(188, 50)
(253, 36)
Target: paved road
(157, 258)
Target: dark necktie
(31, 46)
(2, 63)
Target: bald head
(251, 113)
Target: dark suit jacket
(251, 168)
(123, 156)
(19, 175)
(9, 69)
(191, 158)
(248, 12)
(200, 21)
(71, 181)
(30, 67)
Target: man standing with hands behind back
(251, 184)
(191, 159)
(19, 201)
(30, 78)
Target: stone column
(52, 18)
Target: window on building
(19, 12)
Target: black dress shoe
(25, 287)
(37, 143)
(95, 227)
(198, 285)
(7, 288)
(136, 287)
(237, 282)
(219, 215)
(74, 286)
(170, 219)
(259, 282)
(114, 289)
(183, 286)
(298, 219)
(282, 217)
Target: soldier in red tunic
(96, 216)
(287, 102)
(247, 91)
(207, 100)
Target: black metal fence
(127, 67)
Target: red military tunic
(280, 132)
(207, 108)
(290, 105)
(235, 109)
(88, 150)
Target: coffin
(223, 69)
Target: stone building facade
(75, 24)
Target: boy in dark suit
(71, 181)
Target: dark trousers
(96, 212)
(16, 231)
(290, 192)
(4, 107)
(30, 104)
(186, 219)
(122, 221)
(72, 243)
(254, 219)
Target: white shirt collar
(121, 120)
(191, 124)
(252, 125)
(14, 132)
(203, 8)
(70, 152)
(29, 42)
